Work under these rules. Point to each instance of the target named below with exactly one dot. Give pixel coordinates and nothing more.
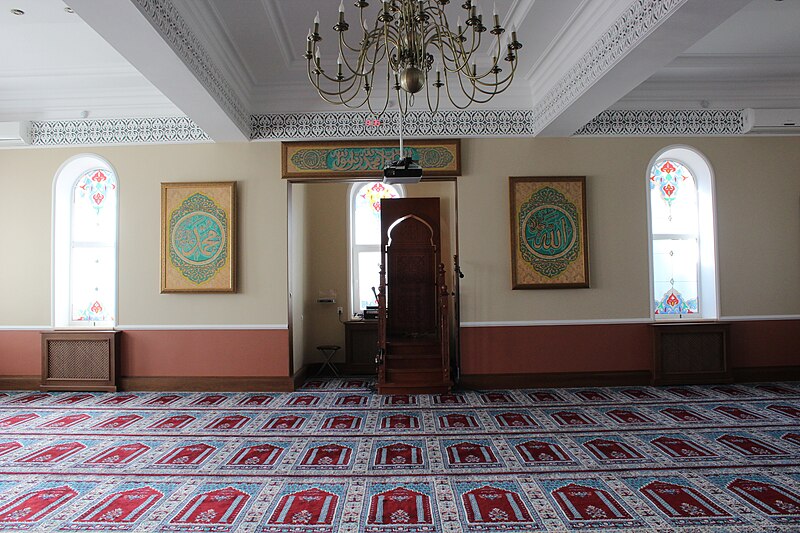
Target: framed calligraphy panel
(548, 233)
(311, 161)
(198, 237)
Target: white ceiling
(108, 59)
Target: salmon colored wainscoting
(610, 354)
(182, 359)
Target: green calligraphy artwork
(358, 159)
(549, 232)
(198, 247)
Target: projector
(402, 171)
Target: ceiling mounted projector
(402, 171)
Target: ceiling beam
(645, 38)
(153, 37)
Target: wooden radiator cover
(80, 361)
(691, 353)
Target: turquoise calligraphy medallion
(549, 232)
(198, 244)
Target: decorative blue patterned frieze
(665, 122)
(116, 131)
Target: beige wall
(758, 220)
(758, 198)
(27, 178)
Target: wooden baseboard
(554, 379)
(20, 382)
(766, 373)
(210, 384)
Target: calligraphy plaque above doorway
(548, 233)
(356, 159)
(198, 237)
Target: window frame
(354, 249)
(708, 279)
(62, 243)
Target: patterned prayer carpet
(335, 457)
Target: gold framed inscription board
(198, 237)
(548, 233)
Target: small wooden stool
(328, 351)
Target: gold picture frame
(549, 244)
(198, 237)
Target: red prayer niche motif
(449, 399)
(119, 422)
(116, 400)
(749, 447)
(328, 455)
(579, 502)
(306, 507)
(259, 399)
(766, 497)
(794, 438)
(457, 421)
(355, 384)
(592, 396)
(493, 505)
(66, 421)
(118, 455)
(515, 420)
(788, 410)
(571, 418)
(734, 392)
(33, 506)
(639, 394)
(30, 398)
(54, 453)
(260, 455)
(191, 455)
(400, 399)
(17, 419)
(122, 507)
(737, 413)
(164, 399)
(304, 400)
(682, 448)
(535, 451)
(467, 454)
(777, 389)
(400, 506)
(497, 397)
(545, 397)
(677, 501)
(624, 416)
(220, 506)
(342, 422)
(285, 422)
(684, 415)
(400, 422)
(611, 450)
(229, 422)
(353, 399)
(398, 454)
(8, 447)
(75, 398)
(211, 399)
(173, 422)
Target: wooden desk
(360, 346)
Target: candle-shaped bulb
(341, 7)
(494, 9)
(316, 18)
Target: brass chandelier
(412, 46)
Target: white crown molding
(166, 20)
(640, 19)
(279, 28)
(120, 131)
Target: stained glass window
(365, 220)
(675, 230)
(92, 261)
(85, 243)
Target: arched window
(682, 236)
(85, 214)
(365, 240)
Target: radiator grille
(693, 352)
(78, 359)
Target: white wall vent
(15, 134)
(772, 121)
